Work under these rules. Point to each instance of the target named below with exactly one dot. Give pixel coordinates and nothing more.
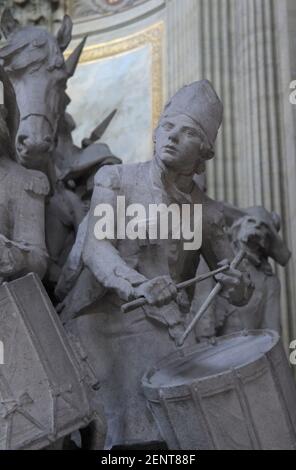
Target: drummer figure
(121, 347)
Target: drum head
(203, 361)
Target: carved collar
(165, 181)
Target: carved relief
(35, 12)
(100, 7)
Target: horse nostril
(48, 139)
(22, 138)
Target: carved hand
(237, 285)
(158, 291)
(124, 289)
(11, 257)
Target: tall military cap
(201, 103)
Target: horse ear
(73, 59)
(8, 23)
(10, 104)
(64, 35)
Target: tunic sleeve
(102, 256)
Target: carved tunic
(22, 233)
(121, 347)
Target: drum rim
(168, 359)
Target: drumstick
(214, 292)
(128, 307)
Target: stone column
(182, 19)
(259, 119)
(201, 44)
(244, 47)
(285, 18)
(217, 63)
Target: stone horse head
(34, 69)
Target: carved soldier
(22, 199)
(120, 346)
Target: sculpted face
(40, 97)
(254, 233)
(177, 143)
(34, 66)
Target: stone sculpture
(45, 384)
(76, 166)
(257, 231)
(35, 68)
(121, 346)
(235, 394)
(47, 181)
(35, 75)
(22, 209)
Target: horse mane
(31, 46)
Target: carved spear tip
(99, 130)
(73, 59)
(8, 23)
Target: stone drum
(238, 393)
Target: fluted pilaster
(182, 44)
(259, 121)
(217, 63)
(239, 46)
(201, 42)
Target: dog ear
(276, 218)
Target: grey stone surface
(36, 74)
(48, 181)
(256, 164)
(235, 394)
(45, 387)
(32, 228)
(36, 12)
(22, 208)
(256, 148)
(257, 232)
(101, 7)
(128, 269)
